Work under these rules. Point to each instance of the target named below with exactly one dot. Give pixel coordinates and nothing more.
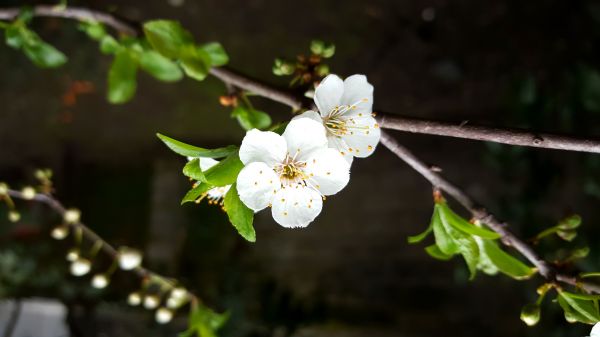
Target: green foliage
(122, 78)
(196, 192)
(322, 49)
(566, 229)
(216, 53)
(283, 68)
(249, 118)
(457, 236)
(159, 66)
(204, 322)
(42, 54)
(222, 174)
(194, 151)
(579, 307)
(240, 216)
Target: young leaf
(204, 322)
(240, 216)
(159, 66)
(225, 172)
(420, 237)
(435, 252)
(194, 151)
(192, 170)
(216, 52)
(463, 225)
(195, 193)
(122, 78)
(251, 119)
(505, 262)
(195, 62)
(13, 36)
(167, 37)
(465, 243)
(108, 45)
(95, 30)
(443, 240)
(44, 55)
(576, 309)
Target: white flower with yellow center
(346, 111)
(216, 194)
(595, 331)
(291, 173)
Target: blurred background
(530, 64)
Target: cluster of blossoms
(293, 173)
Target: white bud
(134, 299)
(14, 216)
(72, 254)
(179, 293)
(163, 315)
(3, 189)
(151, 302)
(80, 267)
(60, 232)
(28, 193)
(129, 258)
(100, 281)
(173, 303)
(72, 215)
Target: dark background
(532, 64)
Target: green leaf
(195, 193)
(240, 216)
(578, 310)
(505, 262)
(466, 244)
(225, 172)
(571, 222)
(250, 118)
(108, 45)
(216, 52)
(442, 239)
(13, 37)
(159, 66)
(204, 322)
(93, 29)
(195, 62)
(44, 55)
(167, 37)
(194, 151)
(420, 237)
(122, 78)
(463, 225)
(192, 170)
(435, 252)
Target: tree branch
(490, 134)
(508, 238)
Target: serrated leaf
(194, 151)
(240, 216)
(250, 118)
(216, 52)
(159, 66)
(461, 224)
(435, 252)
(505, 262)
(195, 193)
(122, 82)
(167, 37)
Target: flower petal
(336, 142)
(328, 171)
(303, 136)
(310, 114)
(328, 94)
(263, 146)
(358, 91)
(363, 137)
(206, 163)
(296, 206)
(256, 184)
(595, 331)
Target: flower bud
(179, 293)
(100, 281)
(3, 189)
(317, 47)
(60, 232)
(530, 314)
(81, 267)
(129, 258)
(329, 51)
(72, 254)
(163, 315)
(134, 299)
(14, 216)
(322, 70)
(151, 302)
(72, 216)
(28, 193)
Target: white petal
(310, 114)
(256, 185)
(595, 331)
(328, 171)
(336, 142)
(363, 137)
(206, 163)
(303, 136)
(328, 94)
(262, 146)
(358, 91)
(296, 206)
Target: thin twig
(497, 135)
(508, 238)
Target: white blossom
(129, 258)
(595, 331)
(100, 281)
(72, 216)
(134, 299)
(163, 315)
(215, 195)
(60, 232)
(80, 267)
(291, 173)
(151, 302)
(346, 111)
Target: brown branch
(491, 134)
(508, 238)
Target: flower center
(291, 171)
(339, 123)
